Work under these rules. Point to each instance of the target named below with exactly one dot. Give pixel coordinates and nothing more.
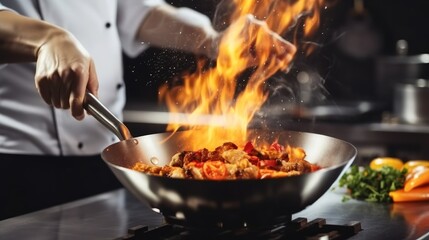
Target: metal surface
(410, 102)
(230, 203)
(109, 215)
(395, 69)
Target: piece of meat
(300, 166)
(234, 156)
(141, 167)
(173, 172)
(177, 159)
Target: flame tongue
(208, 95)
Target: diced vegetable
(277, 147)
(315, 167)
(268, 163)
(295, 154)
(214, 170)
(254, 160)
(248, 147)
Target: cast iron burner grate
(298, 229)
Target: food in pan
(229, 162)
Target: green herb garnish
(371, 185)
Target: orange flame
(251, 43)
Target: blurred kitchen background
(364, 83)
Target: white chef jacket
(104, 27)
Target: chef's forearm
(179, 28)
(21, 37)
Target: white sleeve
(3, 7)
(131, 14)
(180, 28)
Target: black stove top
(299, 228)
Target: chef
(51, 52)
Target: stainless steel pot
(391, 70)
(411, 101)
(229, 203)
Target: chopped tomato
(254, 160)
(418, 177)
(378, 163)
(277, 147)
(214, 170)
(267, 163)
(248, 147)
(314, 167)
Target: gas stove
(299, 228)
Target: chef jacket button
(119, 86)
(107, 25)
(113, 139)
(80, 145)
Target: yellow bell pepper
(410, 165)
(378, 163)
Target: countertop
(109, 215)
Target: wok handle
(105, 117)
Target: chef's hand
(257, 45)
(64, 72)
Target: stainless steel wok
(229, 203)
